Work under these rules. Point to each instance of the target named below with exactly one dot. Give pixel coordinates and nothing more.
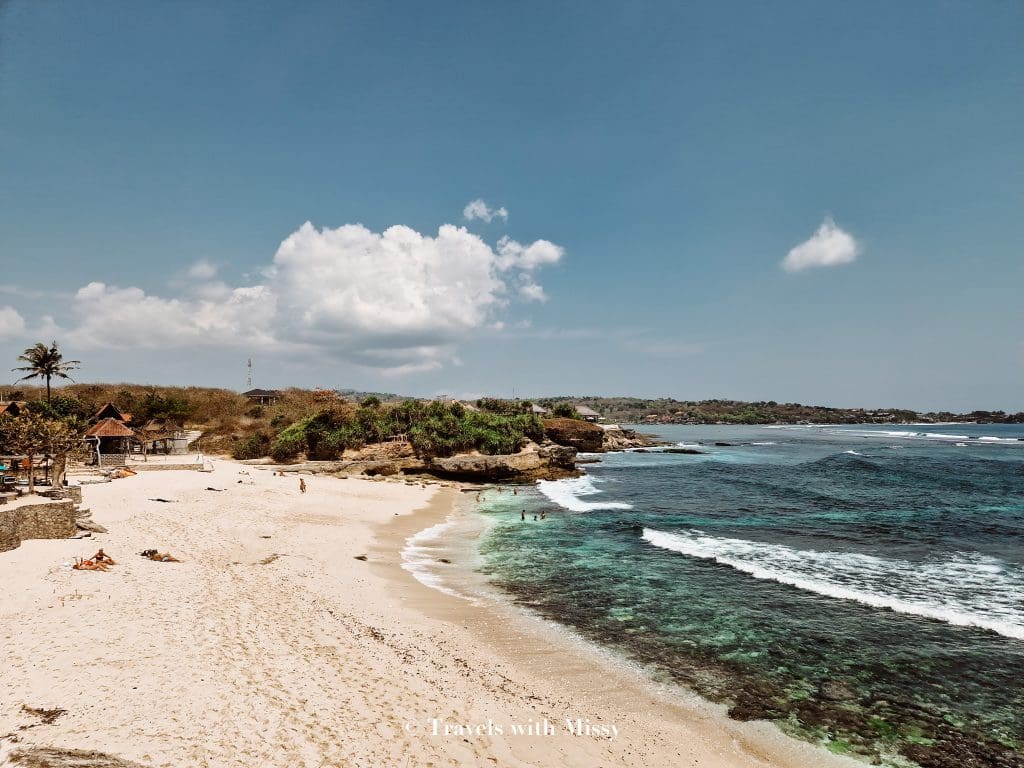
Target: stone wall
(9, 538)
(73, 492)
(47, 520)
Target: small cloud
(830, 246)
(203, 270)
(530, 291)
(478, 209)
(12, 324)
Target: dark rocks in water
(835, 690)
(641, 450)
(686, 451)
(755, 701)
(725, 445)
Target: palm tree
(46, 362)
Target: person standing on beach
(522, 515)
(302, 485)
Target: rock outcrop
(539, 462)
(533, 463)
(621, 439)
(581, 435)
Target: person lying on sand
(88, 565)
(159, 557)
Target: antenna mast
(248, 380)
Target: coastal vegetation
(323, 424)
(45, 362)
(633, 410)
(433, 429)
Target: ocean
(861, 586)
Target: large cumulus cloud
(396, 300)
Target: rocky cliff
(581, 435)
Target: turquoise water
(861, 586)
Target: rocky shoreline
(558, 457)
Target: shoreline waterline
(553, 656)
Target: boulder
(581, 435)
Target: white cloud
(108, 316)
(397, 301)
(203, 270)
(478, 209)
(830, 246)
(12, 324)
(530, 291)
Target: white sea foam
(965, 589)
(421, 553)
(566, 494)
(763, 442)
(941, 437)
(854, 453)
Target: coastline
(560, 676)
(291, 636)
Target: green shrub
(286, 448)
(565, 411)
(254, 447)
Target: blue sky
(657, 163)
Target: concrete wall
(46, 520)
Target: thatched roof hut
(109, 427)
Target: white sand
(271, 645)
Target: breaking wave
(567, 494)
(964, 589)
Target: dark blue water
(861, 586)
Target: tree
(565, 411)
(33, 435)
(46, 362)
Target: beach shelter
(111, 438)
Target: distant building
(539, 410)
(262, 396)
(588, 414)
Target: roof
(109, 428)
(261, 393)
(538, 409)
(12, 408)
(109, 410)
(583, 410)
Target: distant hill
(632, 410)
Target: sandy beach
(291, 636)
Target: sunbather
(159, 557)
(103, 557)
